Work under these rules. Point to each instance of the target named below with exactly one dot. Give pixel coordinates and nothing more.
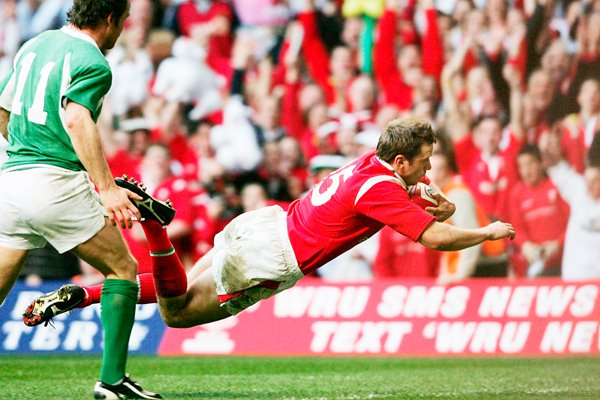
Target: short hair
(478, 120)
(159, 145)
(532, 149)
(404, 136)
(90, 13)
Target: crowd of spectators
(226, 106)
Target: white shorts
(253, 259)
(48, 204)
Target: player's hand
(444, 210)
(119, 207)
(500, 230)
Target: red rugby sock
(93, 295)
(170, 279)
(146, 293)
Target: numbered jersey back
(51, 69)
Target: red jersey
(347, 207)
(489, 189)
(539, 214)
(122, 162)
(219, 46)
(390, 79)
(203, 233)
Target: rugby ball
(422, 195)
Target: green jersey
(50, 70)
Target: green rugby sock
(117, 302)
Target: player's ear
(400, 160)
(111, 20)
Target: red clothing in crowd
(489, 188)
(123, 163)
(292, 119)
(219, 46)
(188, 159)
(398, 256)
(316, 55)
(389, 77)
(539, 214)
(181, 152)
(348, 206)
(204, 228)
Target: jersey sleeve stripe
(369, 183)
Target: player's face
(413, 170)
(115, 28)
(530, 169)
(487, 136)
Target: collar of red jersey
(388, 166)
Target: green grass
(72, 377)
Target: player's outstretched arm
(86, 142)
(440, 236)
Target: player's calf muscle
(172, 310)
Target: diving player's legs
(168, 284)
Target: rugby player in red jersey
(263, 252)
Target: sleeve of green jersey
(88, 87)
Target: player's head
(406, 144)
(253, 196)
(156, 164)
(96, 14)
(529, 161)
(487, 133)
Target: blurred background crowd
(228, 106)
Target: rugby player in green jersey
(49, 104)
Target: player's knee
(174, 319)
(125, 267)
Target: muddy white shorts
(48, 204)
(253, 259)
